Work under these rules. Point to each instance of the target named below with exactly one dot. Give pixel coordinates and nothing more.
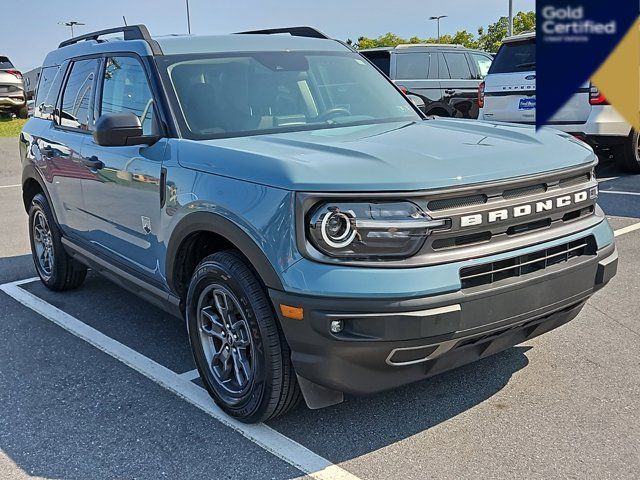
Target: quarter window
(47, 94)
(483, 63)
(458, 66)
(76, 98)
(126, 89)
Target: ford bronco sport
(317, 233)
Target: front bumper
(386, 343)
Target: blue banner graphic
(573, 39)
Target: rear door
(510, 88)
(418, 73)
(60, 145)
(459, 84)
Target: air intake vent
(458, 202)
(571, 181)
(526, 264)
(524, 191)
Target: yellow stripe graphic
(619, 77)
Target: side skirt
(158, 297)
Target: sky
(27, 42)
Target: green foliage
(11, 128)
(488, 39)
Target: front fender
(214, 223)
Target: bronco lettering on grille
(527, 209)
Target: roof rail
(447, 45)
(131, 32)
(293, 31)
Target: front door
(122, 203)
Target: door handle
(93, 163)
(450, 92)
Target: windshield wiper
(525, 65)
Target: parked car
(12, 96)
(508, 94)
(319, 235)
(445, 77)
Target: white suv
(508, 94)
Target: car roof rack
(293, 31)
(131, 32)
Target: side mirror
(418, 102)
(120, 129)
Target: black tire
(22, 112)
(627, 156)
(271, 389)
(61, 272)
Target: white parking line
(267, 438)
(629, 229)
(615, 192)
(190, 375)
(10, 186)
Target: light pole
(510, 18)
(437, 19)
(70, 24)
(188, 18)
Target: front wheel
(239, 349)
(627, 156)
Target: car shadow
(16, 268)
(613, 179)
(365, 424)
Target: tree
(491, 40)
(488, 40)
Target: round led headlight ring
(336, 229)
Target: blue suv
(320, 236)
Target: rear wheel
(627, 156)
(22, 112)
(239, 349)
(57, 270)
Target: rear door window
(458, 66)
(5, 63)
(76, 99)
(515, 57)
(413, 66)
(126, 89)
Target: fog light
(336, 326)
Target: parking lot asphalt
(563, 405)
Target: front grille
(523, 265)
(524, 191)
(577, 180)
(447, 203)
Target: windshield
(515, 57)
(270, 92)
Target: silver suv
(12, 96)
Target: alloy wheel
(43, 244)
(225, 338)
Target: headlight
(370, 229)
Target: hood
(388, 157)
